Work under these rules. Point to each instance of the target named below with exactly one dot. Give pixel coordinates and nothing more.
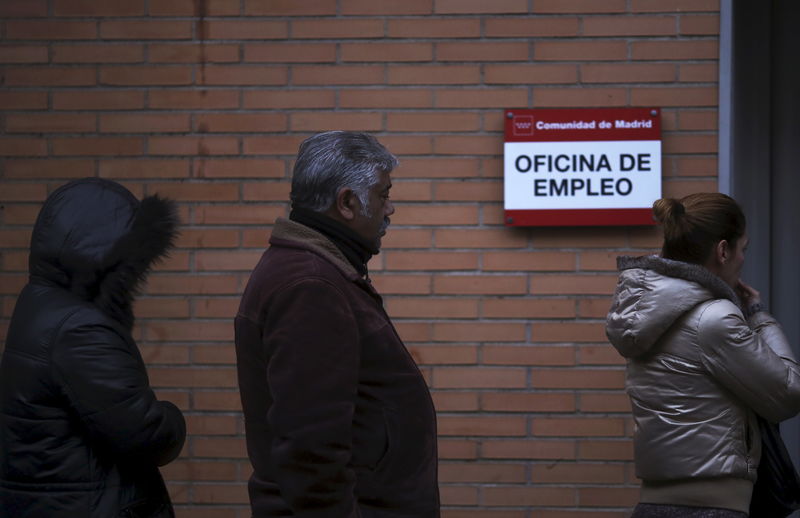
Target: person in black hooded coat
(81, 432)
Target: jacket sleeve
(756, 364)
(106, 384)
(312, 342)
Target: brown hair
(695, 223)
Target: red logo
(522, 125)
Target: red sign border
(578, 217)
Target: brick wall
(206, 101)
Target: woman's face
(730, 270)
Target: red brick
(674, 50)
(244, 29)
(218, 307)
(579, 97)
(698, 72)
(165, 355)
(605, 403)
(478, 377)
(608, 496)
(214, 355)
(200, 191)
(578, 238)
(23, 8)
(696, 166)
(200, 146)
(475, 145)
(296, 98)
(408, 144)
(478, 332)
(407, 238)
(145, 75)
(382, 99)
(290, 7)
(198, 470)
(481, 426)
(98, 53)
(528, 449)
(481, 98)
(272, 145)
(516, 402)
(434, 28)
(671, 6)
(161, 284)
(457, 449)
(192, 53)
(52, 30)
(574, 473)
(593, 308)
(605, 450)
(526, 261)
(238, 214)
(337, 29)
(432, 121)
(161, 307)
(226, 261)
(138, 168)
(528, 74)
(23, 100)
(101, 146)
(354, 121)
(23, 54)
(241, 122)
(569, 332)
(436, 168)
(190, 331)
(177, 99)
(435, 74)
(689, 144)
(700, 25)
(528, 355)
(195, 8)
(628, 73)
(481, 472)
(221, 494)
(98, 100)
(480, 284)
(649, 26)
(51, 76)
(458, 495)
(573, 284)
(15, 261)
(436, 215)
(529, 27)
(289, 53)
(529, 496)
(217, 377)
(50, 123)
(18, 146)
(426, 260)
(267, 191)
(402, 284)
(387, 7)
(20, 215)
(337, 74)
(480, 7)
(580, 50)
(578, 379)
(207, 238)
(218, 447)
(146, 30)
(579, 6)
(90, 8)
(579, 427)
(393, 52)
(482, 51)
(12, 283)
(144, 123)
(598, 261)
(217, 401)
(444, 355)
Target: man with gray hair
(339, 420)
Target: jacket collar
(680, 270)
(293, 234)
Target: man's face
(372, 226)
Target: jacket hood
(652, 293)
(95, 239)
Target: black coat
(339, 420)
(81, 432)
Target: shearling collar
(288, 232)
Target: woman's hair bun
(666, 210)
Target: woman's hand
(749, 295)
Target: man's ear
(346, 203)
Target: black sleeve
(106, 384)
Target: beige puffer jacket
(697, 370)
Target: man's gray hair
(330, 161)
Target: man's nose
(388, 208)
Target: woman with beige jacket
(703, 359)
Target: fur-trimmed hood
(95, 239)
(652, 293)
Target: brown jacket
(339, 420)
